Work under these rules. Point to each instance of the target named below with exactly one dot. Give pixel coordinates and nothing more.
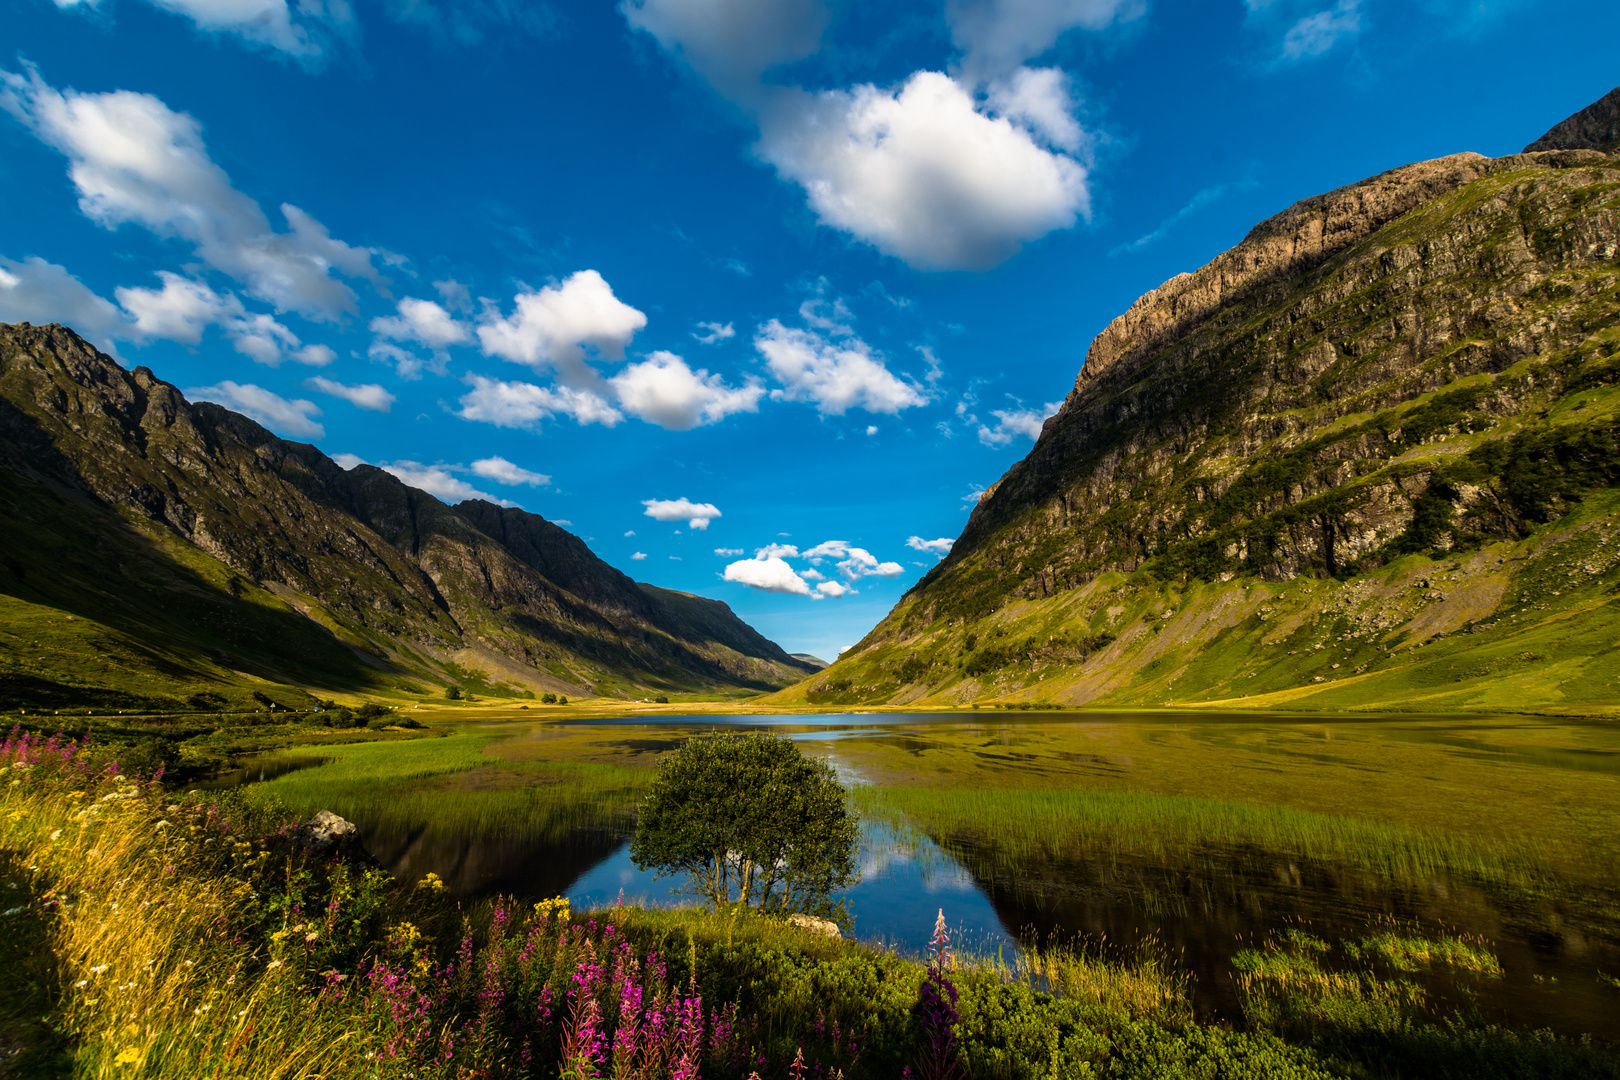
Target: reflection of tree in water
(1207, 908)
(475, 866)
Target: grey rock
(330, 835)
(1596, 127)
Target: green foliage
(453, 692)
(748, 819)
(548, 698)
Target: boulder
(824, 927)
(330, 835)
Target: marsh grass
(1019, 827)
(451, 785)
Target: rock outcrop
(1596, 127)
(1410, 368)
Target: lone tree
(751, 819)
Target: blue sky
(753, 294)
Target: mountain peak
(1596, 127)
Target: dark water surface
(1202, 906)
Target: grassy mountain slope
(211, 557)
(1365, 459)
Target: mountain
(1365, 459)
(158, 550)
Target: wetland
(1216, 841)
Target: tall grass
(1020, 826)
(402, 785)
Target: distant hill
(1365, 459)
(158, 551)
(817, 661)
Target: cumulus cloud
(776, 551)
(348, 461)
(835, 376)
(663, 390)
(407, 365)
(369, 396)
(1011, 423)
(638, 556)
(768, 575)
(697, 515)
(422, 322)
(922, 172)
(502, 471)
(932, 171)
(438, 481)
(833, 588)
(524, 405)
(1316, 34)
(307, 32)
(713, 332)
(852, 562)
(933, 547)
(996, 36)
(295, 418)
(37, 291)
(556, 326)
(732, 43)
(136, 161)
(723, 552)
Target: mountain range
(160, 553)
(1365, 459)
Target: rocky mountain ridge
(1379, 420)
(402, 587)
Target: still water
(1202, 907)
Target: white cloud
(524, 405)
(134, 160)
(663, 390)
(348, 461)
(922, 173)
(732, 43)
(407, 364)
(723, 552)
(632, 532)
(502, 471)
(1039, 99)
(871, 429)
(438, 481)
(852, 562)
(1316, 34)
(1011, 423)
(769, 575)
(716, 332)
(40, 292)
(556, 325)
(835, 376)
(368, 396)
(998, 35)
(812, 575)
(638, 556)
(776, 551)
(833, 588)
(697, 515)
(181, 310)
(296, 418)
(306, 35)
(935, 547)
(424, 323)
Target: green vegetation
(748, 819)
(183, 936)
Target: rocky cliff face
(1409, 370)
(396, 581)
